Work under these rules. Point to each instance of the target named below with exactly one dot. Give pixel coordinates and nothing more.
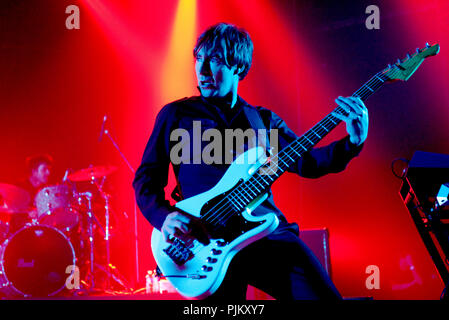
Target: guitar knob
(221, 243)
(211, 260)
(216, 252)
(206, 268)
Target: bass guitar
(197, 268)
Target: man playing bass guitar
(223, 56)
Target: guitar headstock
(403, 70)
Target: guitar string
(227, 208)
(368, 88)
(360, 94)
(256, 182)
(332, 120)
(262, 182)
(329, 119)
(288, 149)
(362, 90)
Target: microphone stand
(106, 198)
(106, 132)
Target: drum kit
(44, 247)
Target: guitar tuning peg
(427, 45)
(389, 66)
(399, 61)
(408, 56)
(418, 50)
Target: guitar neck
(289, 155)
(244, 193)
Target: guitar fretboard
(261, 181)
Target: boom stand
(106, 132)
(106, 197)
(88, 196)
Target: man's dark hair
(238, 45)
(34, 161)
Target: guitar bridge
(178, 252)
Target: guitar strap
(254, 118)
(176, 193)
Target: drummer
(39, 169)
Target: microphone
(102, 127)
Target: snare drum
(55, 207)
(35, 261)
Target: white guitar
(197, 269)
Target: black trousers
(282, 266)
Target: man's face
(42, 173)
(215, 78)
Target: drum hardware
(14, 202)
(91, 173)
(34, 260)
(13, 199)
(105, 131)
(55, 206)
(106, 197)
(106, 230)
(91, 219)
(55, 216)
(109, 270)
(59, 209)
(4, 231)
(112, 273)
(88, 196)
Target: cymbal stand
(106, 197)
(91, 219)
(107, 235)
(133, 171)
(88, 196)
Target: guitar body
(203, 273)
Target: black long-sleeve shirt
(193, 178)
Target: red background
(129, 58)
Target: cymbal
(90, 173)
(13, 199)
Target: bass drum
(36, 261)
